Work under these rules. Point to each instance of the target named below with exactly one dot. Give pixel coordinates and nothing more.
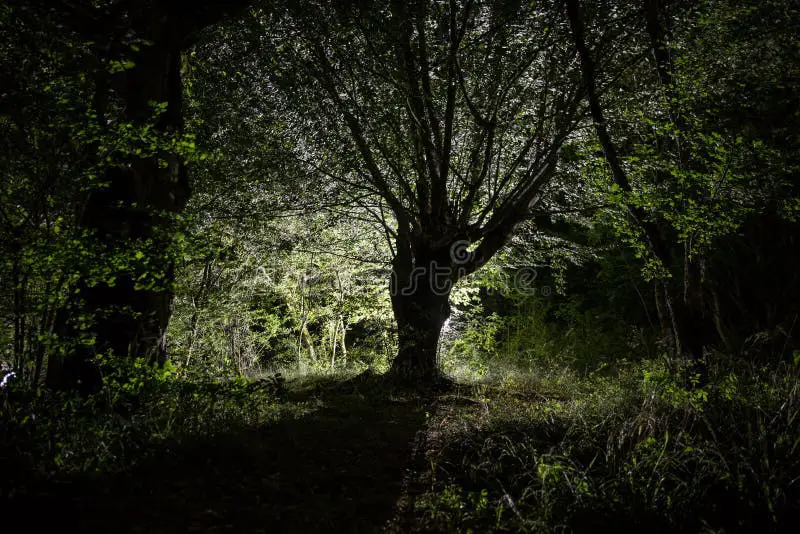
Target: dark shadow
(338, 469)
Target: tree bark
(126, 319)
(420, 290)
(420, 317)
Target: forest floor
(336, 465)
(518, 455)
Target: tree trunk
(343, 338)
(664, 319)
(338, 320)
(697, 330)
(124, 317)
(333, 342)
(691, 317)
(420, 318)
(198, 302)
(420, 291)
(686, 321)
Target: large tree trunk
(420, 290)
(420, 317)
(125, 316)
(127, 312)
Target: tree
(688, 177)
(45, 162)
(136, 69)
(451, 114)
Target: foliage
(49, 434)
(305, 292)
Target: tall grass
(623, 449)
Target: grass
(543, 450)
(626, 451)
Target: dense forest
(402, 266)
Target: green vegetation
(623, 449)
(533, 450)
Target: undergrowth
(46, 434)
(628, 450)
(549, 449)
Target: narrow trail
(340, 468)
